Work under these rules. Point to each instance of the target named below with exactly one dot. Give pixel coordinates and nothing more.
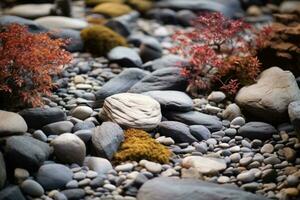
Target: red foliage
(27, 62)
(221, 52)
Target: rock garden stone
(196, 118)
(75, 44)
(38, 117)
(69, 149)
(192, 189)
(32, 188)
(257, 130)
(232, 111)
(204, 165)
(11, 193)
(124, 167)
(74, 194)
(167, 61)
(11, 124)
(99, 165)
(216, 96)
(56, 22)
(121, 83)
(82, 112)
(106, 139)
(200, 132)
(178, 131)
(58, 128)
(125, 57)
(2, 171)
(26, 152)
(30, 10)
(172, 100)
(270, 96)
(85, 125)
(53, 176)
(294, 114)
(21, 175)
(163, 79)
(132, 111)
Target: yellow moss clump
(96, 2)
(140, 5)
(112, 9)
(140, 145)
(99, 40)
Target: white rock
(204, 165)
(153, 167)
(216, 96)
(124, 167)
(55, 22)
(165, 140)
(30, 10)
(269, 98)
(132, 111)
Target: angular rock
(11, 193)
(11, 124)
(125, 57)
(132, 111)
(30, 10)
(53, 176)
(54, 22)
(38, 117)
(163, 79)
(99, 165)
(26, 152)
(106, 139)
(269, 98)
(58, 128)
(163, 188)
(69, 149)
(2, 171)
(257, 130)
(196, 118)
(121, 83)
(172, 100)
(204, 165)
(200, 132)
(177, 131)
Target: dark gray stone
(167, 61)
(106, 139)
(229, 8)
(75, 43)
(294, 114)
(172, 100)
(38, 117)
(86, 125)
(200, 132)
(125, 57)
(11, 193)
(74, 194)
(121, 83)
(196, 118)
(166, 16)
(2, 171)
(32, 188)
(54, 176)
(257, 130)
(26, 152)
(177, 131)
(84, 135)
(163, 79)
(150, 49)
(58, 128)
(191, 189)
(185, 17)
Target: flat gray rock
(58, 128)
(257, 130)
(106, 139)
(172, 100)
(125, 57)
(30, 10)
(196, 118)
(57, 22)
(177, 189)
(167, 61)
(163, 79)
(99, 165)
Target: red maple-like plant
(27, 62)
(221, 53)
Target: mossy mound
(140, 145)
(97, 2)
(141, 5)
(112, 9)
(99, 40)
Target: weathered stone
(257, 130)
(125, 57)
(11, 124)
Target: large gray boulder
(106, 139)
(121, 83)
(26, 152)
(269, 98)
(163, 79)
(11, 124)
(132, 111)
(163, 188)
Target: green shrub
(99, 40)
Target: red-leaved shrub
(221, 53)
(27, 62)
